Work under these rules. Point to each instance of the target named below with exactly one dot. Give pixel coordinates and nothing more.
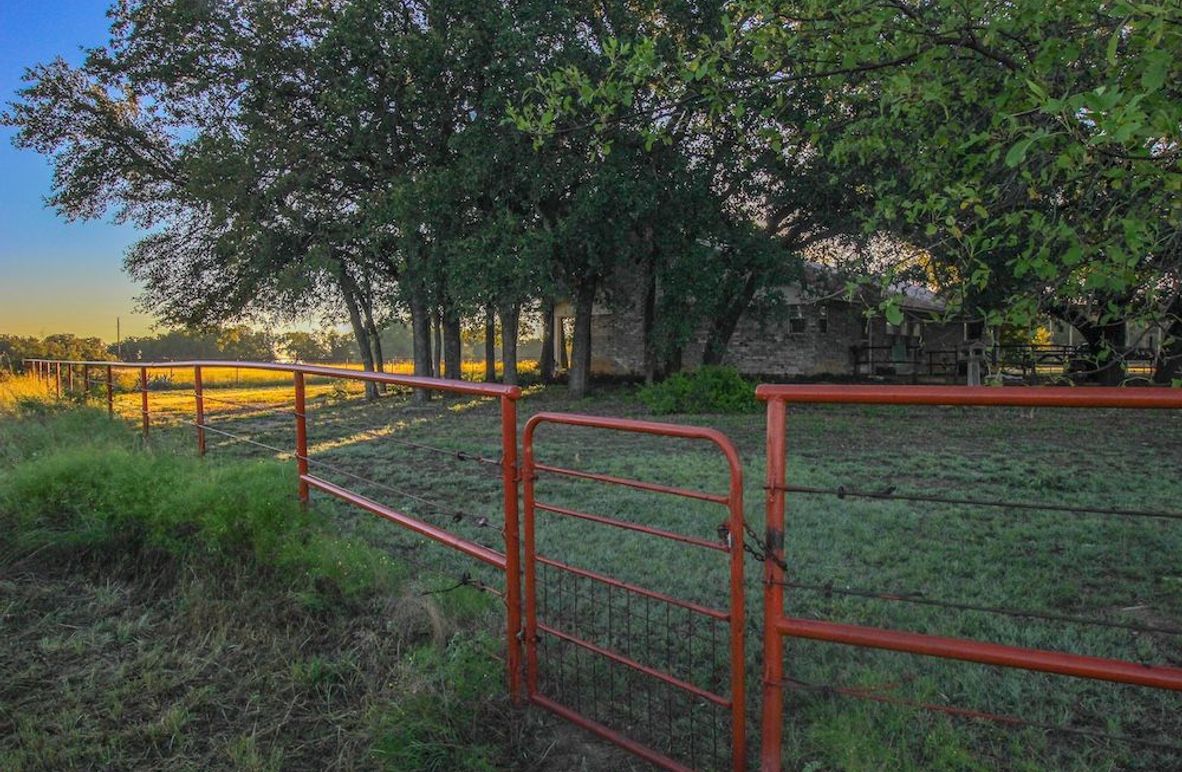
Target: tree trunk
(509, 318)
(375, 340)
(1168, 365)
(1107, 341)
(361, 332)
(563, 355)
(420, 328)
(490, 345)
(452, 350)
(580, 370)
(546, 361)
(723, 325)
(438, 353)
(648, 316)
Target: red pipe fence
(527, 623)
(507, 561)
(777, 625)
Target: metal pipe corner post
(199, 397)
(110, 393)
(301, 437)
(773, 591)
(144, 398)
(509, 478)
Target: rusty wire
(455, 514)
(889, 494)
(240, 438)
(921, 599)
(279, 407)
(327, 423)
(874, 694)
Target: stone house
(818, 335)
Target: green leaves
(1156, 68)
(1017, 152)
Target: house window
(823, 319)
(796, 321)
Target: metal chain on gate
(753, 544)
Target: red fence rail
(526, 623)
(507, 561)
(730, 545)
(777, 625)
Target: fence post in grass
(144, 398)
(69, 379)
(773, 593)
(301, 436)
(200, 412)
(57, 379)
(85, 382)
(512, 550)
(110, 394)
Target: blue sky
(54, 276)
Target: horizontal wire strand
(998, 718)
(842, 492)
(454, 513)
(920, 599)
(325, 423)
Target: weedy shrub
(203, 561)
(705, 390)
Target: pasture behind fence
(660, 669)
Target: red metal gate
(545, 626)
(777, 624)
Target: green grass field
(1123, 570)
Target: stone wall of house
(816, 338)
(617, 342)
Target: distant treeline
(235, 343)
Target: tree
(15, 348)
(1032, 149)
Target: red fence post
(773, 594)
(301, 436)
(512, 545)
(531, 574)
(199, 396)
(144, 398)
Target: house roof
(912, 295)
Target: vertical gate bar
(144, 398)
(85, 382)
(301, 435)
(773, 591)
(531, 571)
(199, 396)
(69, 379)
(110, 394)
(738, 616)
(57, 379)
(512, 544)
